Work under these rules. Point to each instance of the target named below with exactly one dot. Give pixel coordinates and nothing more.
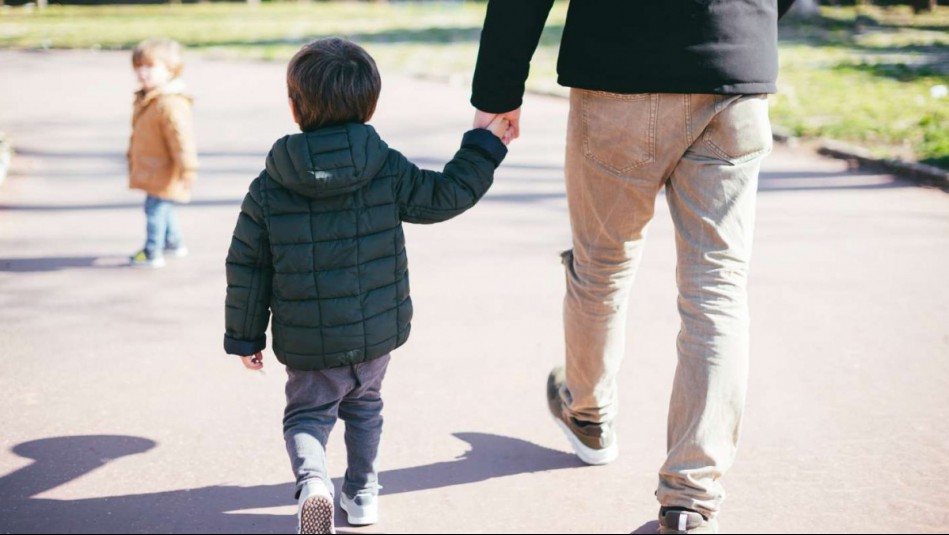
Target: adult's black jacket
(633, 46)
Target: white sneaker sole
(180, 252)
(585, 453)
(316, 515)
(154, 264)
(365, 520)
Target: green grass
(866, 76)
(396, 34)
(229, 25)
(857, 75)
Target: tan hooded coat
(162, 157)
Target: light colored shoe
(176, 252)
(593, 443)
(362, 509)
(142, 260)
(315, 509)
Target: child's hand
(499, 127)
(188, 180)
(253, 362)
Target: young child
(319, 244)
(161, 156)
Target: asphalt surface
(122, 414)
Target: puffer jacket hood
(329, 162)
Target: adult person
(664, 94)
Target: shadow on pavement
(649, 527)
(490, 456)
(60, 460)
(56, 263)
(216, 509)
(828, 180)
(114, 206)
(438, 164)
(47, 154)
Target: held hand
(482, 119)
(253, 362)
(499, 127)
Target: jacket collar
(173, 87)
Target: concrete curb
(781, 135)
(925, 175)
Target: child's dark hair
(332, 81)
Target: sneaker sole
(358, 520)
(153, 265)
(316, 515)
(584, 452)
(710, 526)
(176, 253)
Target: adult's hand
(482, 119)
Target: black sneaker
(593, 443)
(681, 520)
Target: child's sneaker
(681, 520)
(362, 509)
(315, 509)
(141, 259)
(593, 443)
(177, 251)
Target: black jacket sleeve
(784, 6)
(249, 279)
(430, 197)
(509, 37)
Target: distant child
(162, 158)
(319, 245)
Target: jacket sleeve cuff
(488, 144)
(495, 104)
(244, 348)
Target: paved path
(122, 414)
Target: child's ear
(293, 110)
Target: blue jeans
(162, 229)
(314, 401)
